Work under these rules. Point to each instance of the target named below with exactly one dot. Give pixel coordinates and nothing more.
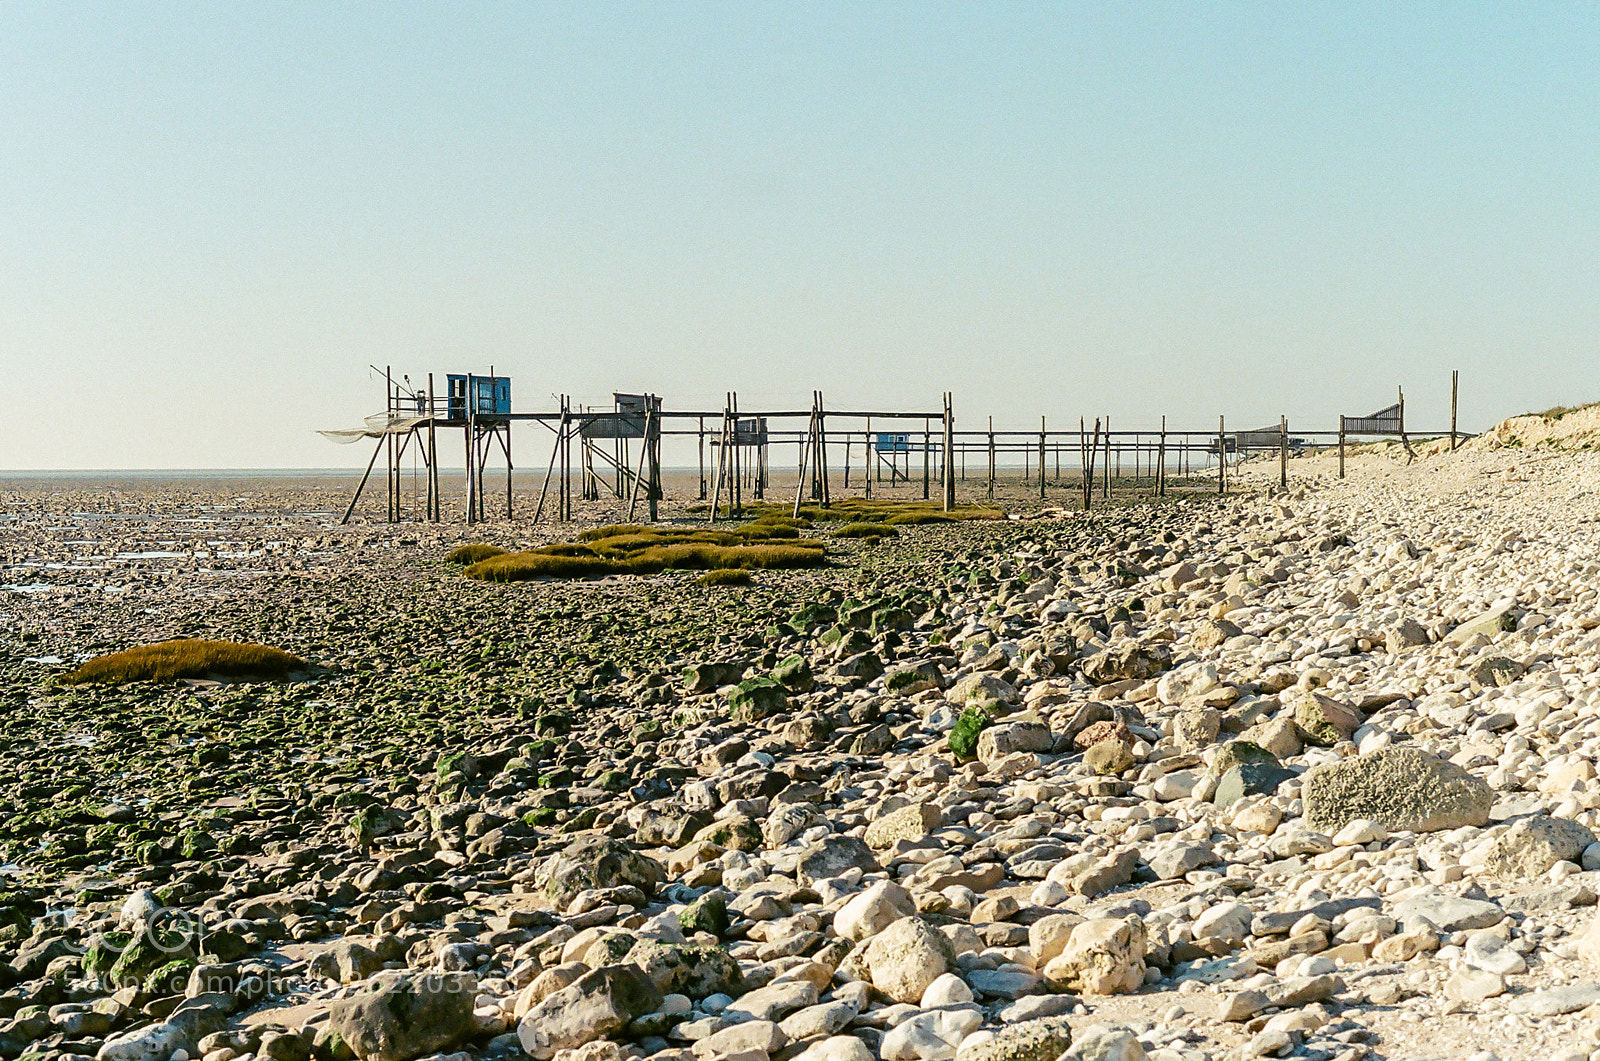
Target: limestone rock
(873, 910)
(758, 1037)
(1449, 913)
(596, 1005)
(836, 1048)
(834, 855)
(1212, 633)
(1109, 758)
(599, 862)
(908, 956)
(1040, 1039)
(1102, 957)
(997, 742)
(1532, 845)
(1102, 1043)
(1280, 737)
(908, 823)
(1405, 789)
(1197, 727)
(930, 1036)
(755, 699)
(1407, 633)
(1323, 720)
(1134, 661)
(1496, 620)
(403, 1015)
(1474, 985)
(982, 688)
(691, 969)
(1097, 732)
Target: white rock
(1360, 832)
(1487, 951)
(874, 910)
(932, 1036)
(948, 990)
(836, 1048)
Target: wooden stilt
(1455, 378)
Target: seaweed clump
(472, 553)
(629, 549)
(170, 660)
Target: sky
(215, 217)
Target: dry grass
(1559, 411)
(471, 554)
(170, 660)
(628, 549)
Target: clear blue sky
(214, 216)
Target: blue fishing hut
(479, 395)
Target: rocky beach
(1304, 773)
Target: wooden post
(566, 456)
(644, 455)
(991, 458)
(927, 440)
(722, 463)
(1341, 445)
(949, 450)
(362, 484)
(467, 431)
(1222, 457)
(867, 459)
(822, 449)
(1283, 452)
(654, 442)
(1083, 462)
(735, 487)
(800, 476)
(1455, 377)
(1106, 473)
(1041, 458)
(1161, 461)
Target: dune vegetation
(170, 660)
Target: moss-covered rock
(964, 737)
(1239, 752)
(600, 862)
(149, 950)
(709, 913)
(794, 674)
(757, 698)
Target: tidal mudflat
(1305, 774)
